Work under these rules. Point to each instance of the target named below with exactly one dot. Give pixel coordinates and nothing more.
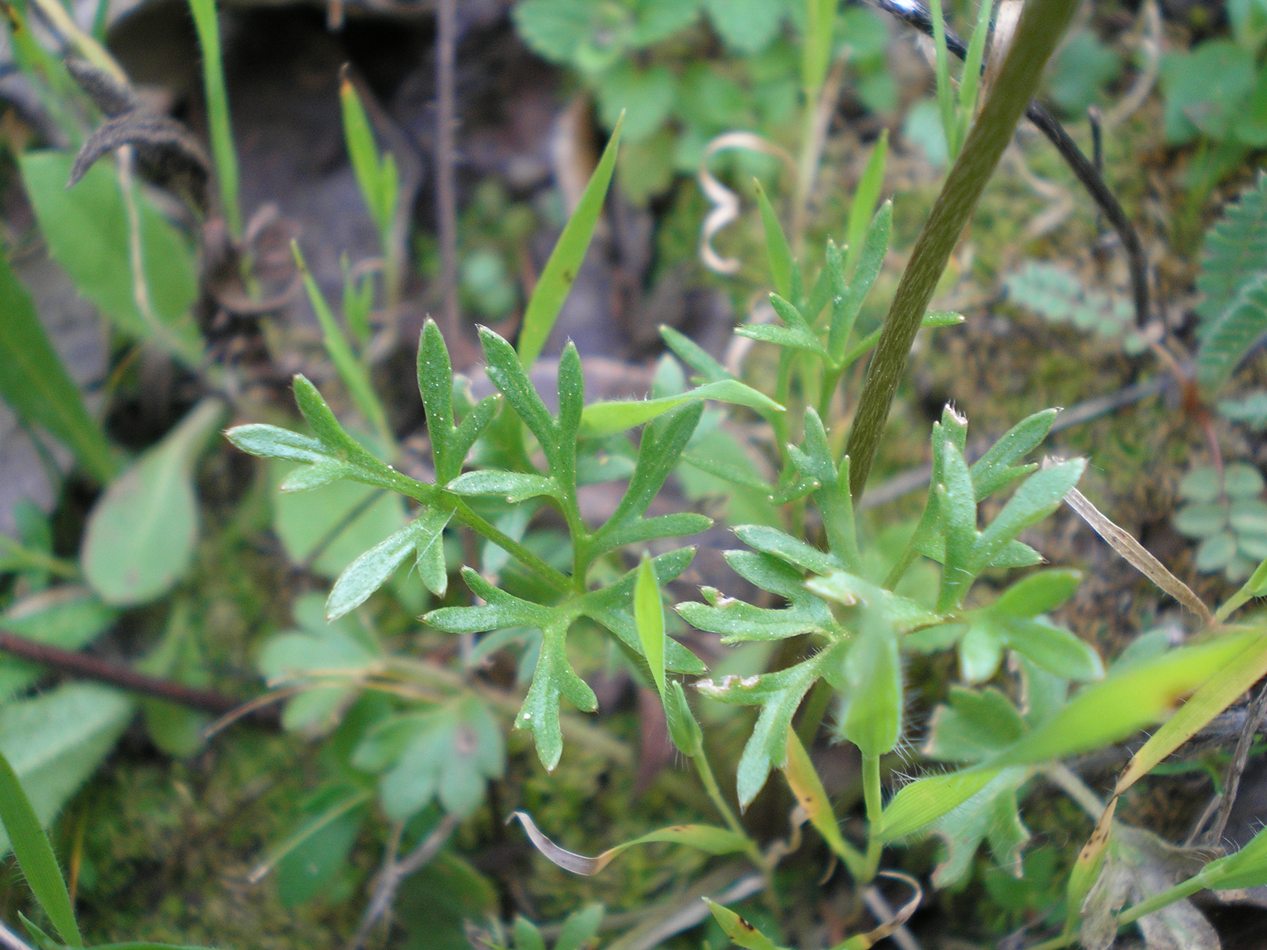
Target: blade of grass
(565, 261)
(35, 855)
(204, 13)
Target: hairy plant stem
(1042, 24)
(872, 795)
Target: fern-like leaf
(1235, 253)
(1227, 339)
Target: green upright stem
(872, 796)
(705, 772)
(1042, 24)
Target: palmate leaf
(612, 608)
(554, 678)
(736, 621)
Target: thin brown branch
(115, 674)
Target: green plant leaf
(740, 930)
(326, 530)
(1233, 252)
(376, 188)
(746, 26)
(871, 717)
(552, 680)
(513, 486)
(1036, 498)
(1053, 648)
(683, 727)
(649, 619)
(447, 753)
(862, 207)
(996, 469)
(324, 660)
(973, 725)
(808, 788)
(312, 857)
(694, 356)
(266, 441)
(499, 610)
(86, 228)
(565, 261)
(421, 537)
(848, 296)
(612, 608)
(141, 534)
(922, 802)
(605, 418)
(580, 928)
(450, 442)
(1038, 593)
(989, 816)
(555, 28)
(1244, 869)
(34, 381)
(658, 452)
(35, 854)
(637, 98)
(56, 740)
(508, 374)
(778, 694)
(778, 251)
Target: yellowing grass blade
(1215, 695)
(808, 789)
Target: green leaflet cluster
(571, 442)
(861, 626)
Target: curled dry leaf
(725, 203)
